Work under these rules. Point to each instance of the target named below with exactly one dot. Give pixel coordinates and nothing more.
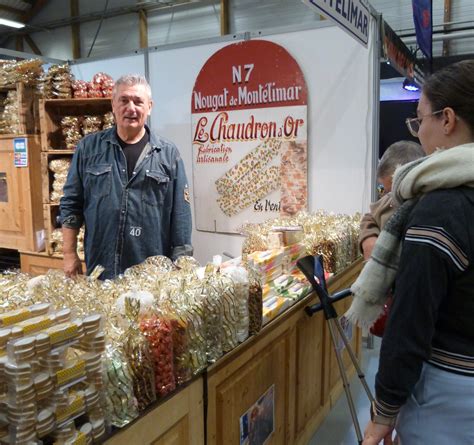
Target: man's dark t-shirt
(133, 151)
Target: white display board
(338, 73)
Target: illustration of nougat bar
(293, 171)
(249, 167)
(267, 181)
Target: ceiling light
(11, 23)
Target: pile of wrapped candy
(51, 376)
(9, 113)
(164, 322)
(29, 71)
(74, 128)
(101, 85)
(334, 236)
(59, 167)
(275, 246)
(57, 82)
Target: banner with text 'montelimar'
(249, 136)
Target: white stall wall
(115, 67)
(338, 73)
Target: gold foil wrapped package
(255, 302)
(239, 277)
(79, 89)
(212, 316)
(91, 124)
(120, 401)
(228, 299)
(57, 82)
(159, 332)
(60, 168)
(189, 343)
(181, 354)
(71, 130)
(108, 120)
(137, 352)
(28, 71)
(187, 264)
(9, 114)
(196, 338)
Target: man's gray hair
(397, 154)
(131, 80)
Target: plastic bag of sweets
(241, 285)
(226, 290)
(159, 333)
(137, 353)
(212, 311)
(119, 397)
(255, 301)
(189, 343)
(188, 305)
(79, 88)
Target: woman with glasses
(425, 381)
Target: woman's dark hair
(453, 86)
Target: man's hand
(367, 246)
(72, 265)
(374, 433)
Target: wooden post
(447, 18)
(75, 30)
(32, 44)
(224, 17)
(143, 24)
(19, 43)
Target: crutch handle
(311, 310)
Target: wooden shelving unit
(53, 146)
(21, 221)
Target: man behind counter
(128, 186)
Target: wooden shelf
(13, 136)
(86, 101)
(53, 146)
(52, 151)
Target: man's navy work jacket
(127, 220)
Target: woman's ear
(449, 120)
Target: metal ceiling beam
(12, 10)
(22, 55)
(443, 37)
(148, 7)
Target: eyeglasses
(414, 123)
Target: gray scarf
(443, 169)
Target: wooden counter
(177, 421)
(293, 353)
(38, 263)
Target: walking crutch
(313, 270)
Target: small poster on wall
(249, 130)
(20, 152)
(258, 422)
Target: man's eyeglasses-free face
(414, 123)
